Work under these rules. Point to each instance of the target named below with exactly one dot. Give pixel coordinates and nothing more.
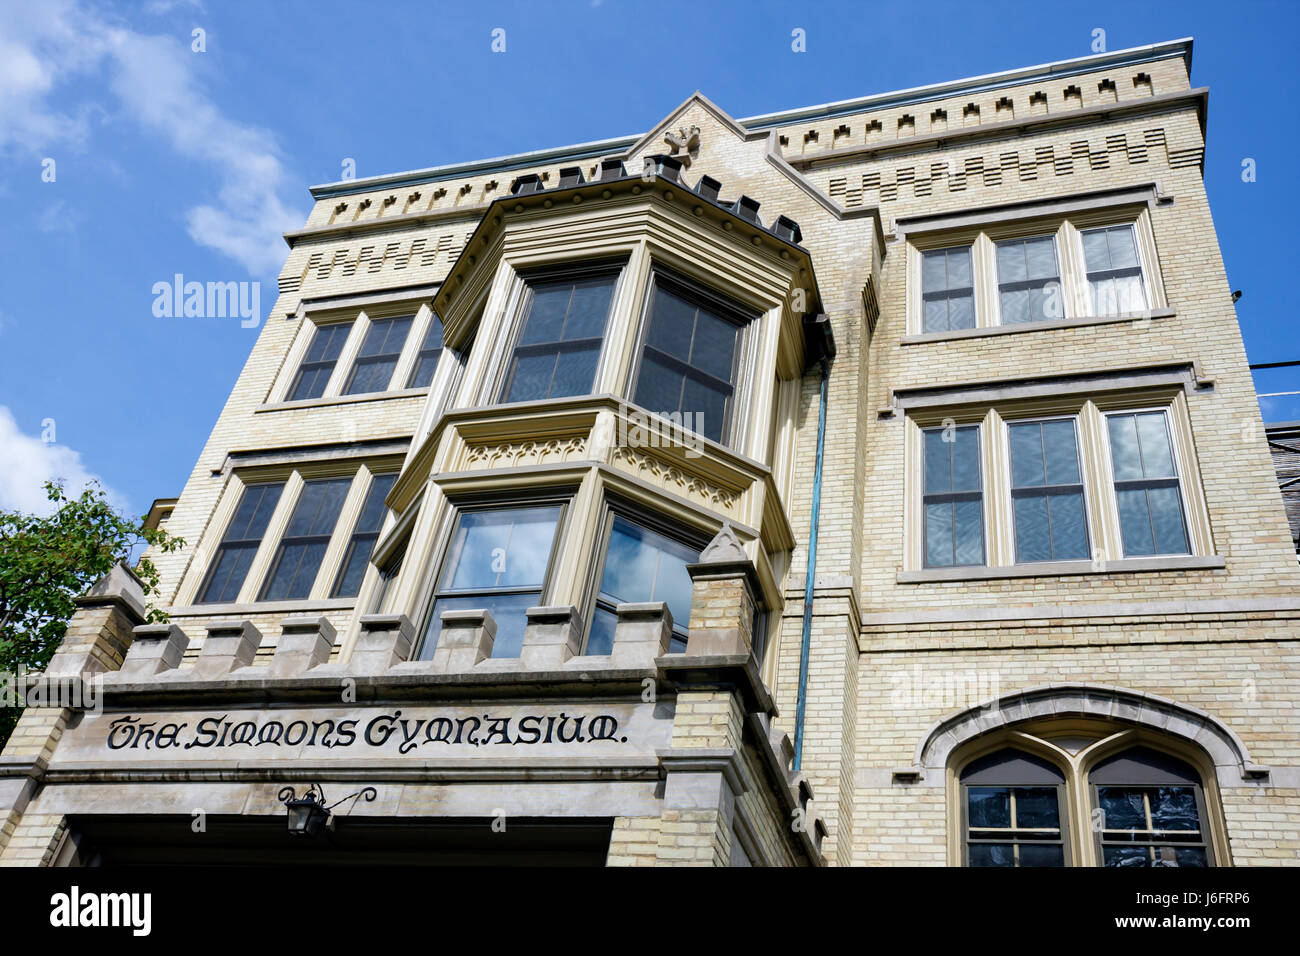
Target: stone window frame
(1065, 227)
(1089, 409)
(360, 314)
(1096, 739)
(361, 473)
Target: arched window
(1011, 807)
(1149, 811)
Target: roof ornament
(686, 141)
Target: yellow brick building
(878, 483)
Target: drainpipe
(821, 343)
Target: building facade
(870, 484)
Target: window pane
(532, 376)
(1190, 856)
(1123, 252)
(1032, 537)
(1125, 856)
(1174, 808)
(1123, 808)
(936, 316)
(938, 462)
(295, 571)
(228, 573)
(501, 548)
(601, 638)
(318, 507)
(240, 542)
(507, 610)
(588, 309)
(958, 261)
(574, 372)
(1167, 520)
(969, 535)
(714, 348)
(1069, 529)
(1125, 457)
(430, 352)
(672, 324)
(1026, 454)
(658, 388)
(545, 320)
(1061, 452)
(643, 565)
(1036, 808)
(254, 512)
(966, 459)
(1096, 253)
(961, 312)
(707, 406)
(298, 559)
(938, 534)
(934, 271)
(1011, 262)
(1041, 855)
(1135, 521)
(1153, 436)
(991, 854)
(1040, 258)
(988, 806)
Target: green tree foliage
(47, 562)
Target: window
(1019, 273)
(1099, 487)
(948, 292)
(1114, 271)
(1029, 282)
(318, 364)
(364, 536)
(1012, 805)
(1151, 811)
(1146, 484)
(953, 501)
(302, 548)
(497, 559)
(239, 545)
(1047, 491)
(642, 565)
(426, 362)
(380, 350)
(689, 360)
(559, 343)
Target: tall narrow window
(298, 558)
(240, 543)
(1115, 283)
(426, 362)
(1047, 491)
(559, 344)
(953, 497)
(364, 536)
(1012, 804)
(642, 565)
(497, 560)
(1152, 811)
(947, 290)
(689, 362)
(1029, 280)
(380, 349)
(318, 364)
(1147, 488)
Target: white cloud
(58, 216)
(28, 462)
(151, 79)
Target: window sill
(1049, 569)
(1075, 322)
(342, 399)
(264, 607)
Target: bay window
(560, 339)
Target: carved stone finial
(685, 141)
(725, 548)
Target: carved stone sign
(516, 731)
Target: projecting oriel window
(1029, 281)
(689, 360)
(1115, 284)
(380, 350)
(1011, 802)
(953, 497)
(1147, 489)
(240, 543)
(1151, 811)
(364, 536)
(302, 548)
(642, 565)
(318, 364)
(559, 343)
(497, 559)
(426, 362)
(1047, 491)
(947, 290)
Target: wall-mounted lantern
(309, 814)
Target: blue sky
(168, 160)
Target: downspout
(823, 346)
